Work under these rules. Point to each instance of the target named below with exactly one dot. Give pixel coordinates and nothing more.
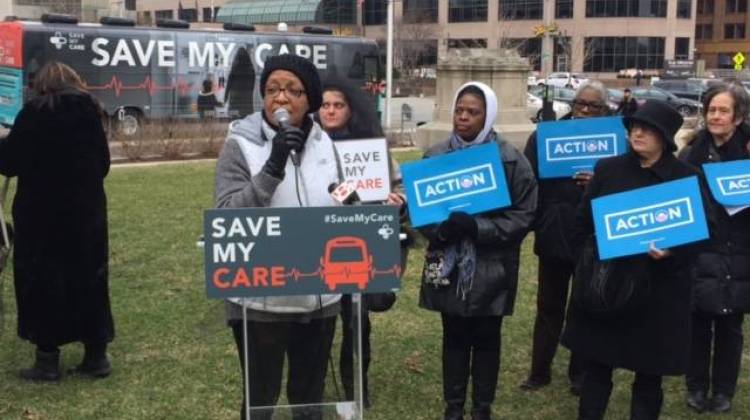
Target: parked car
(534, 108)
(686, 107)
(682, 87)
(564, 79)
(557, 93)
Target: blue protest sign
(667, 215)
(270, 251)
(570, 146)
(729, 182)
(471, 180)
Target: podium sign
(255, 252)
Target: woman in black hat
(721, 279)
(649, 335)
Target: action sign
(301, 251)
(666, 215)
(729, 182)
(570, 146)
(471, 180)
(365, 166)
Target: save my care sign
(666, 215)
(471, 180)
(567, 147)
(366, 167)
(301, 251)
(729, 182)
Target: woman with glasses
(555, 217)
(263, 164)
(722, 274)
(648, 331)
(471, 265)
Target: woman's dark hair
(736, 91)
(240, 85)
(56, 78)
(472, 90)
(208, 86)
(363, 122)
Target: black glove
(286, 140)
(458, 226)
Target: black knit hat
(302, 68)
(660, 115)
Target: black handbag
(379, 302)
(613, 287)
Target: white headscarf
(490, 100)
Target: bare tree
(413, 44)
(571, 46)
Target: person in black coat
(58, 150)
(628, 105)
(479, 288)
(722, 274)
(555, 218)
(207, 101)
(240, 85)
(652, 338)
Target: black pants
(346, 358)
(725, 331)
(646, 399)
(471, 347)
(551, 300)
(307, 347)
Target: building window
(164, 14)
(704, 31)
(467, 43)
(530, 48)
(736, 6)
(420, 11)
(705, 7)
(682, 48)
(145, 19)
(188, 15)
(374, 12)
(683, 8)
(563, 9)
(626, 8)
(734, 31)
(130, 5)
(522, 9)
(611, 54)
(207, 14)
(467, 10)
(725, 61)
(338, 12)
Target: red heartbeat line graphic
(181, 85)
(297, 275)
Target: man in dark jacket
(628, 105)
(555, 217)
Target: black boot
(95, 362)
(455, 381)
(484, 372)
(647, 399)
(594, 399)
(46, 367)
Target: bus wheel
(127, 122)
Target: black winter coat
(556, 211)
(656, 338)
(722, 273)
(61, 252)
(498, 245)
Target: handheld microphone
(281, 115)
(344, 193)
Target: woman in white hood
(471, 264)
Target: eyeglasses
(275, 91)
(594, 106)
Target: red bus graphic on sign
(346, 261)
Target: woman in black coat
(553, 227)
(480, 288)
(652, 339)
(722, 274)
(58, 150)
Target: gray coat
(498, 245)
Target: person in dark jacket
(555, 218)
(628, 105)
(58, 150)
(240, 85)
(345, 114)
(207, 101)
(722, 274)
(473, 294)
(651, 338)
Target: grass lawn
(174, 358)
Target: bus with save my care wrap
(144, 74)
